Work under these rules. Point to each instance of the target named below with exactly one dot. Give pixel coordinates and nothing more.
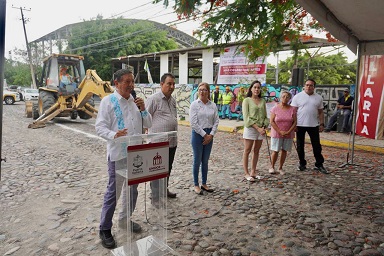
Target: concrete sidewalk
(331, 139)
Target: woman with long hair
(255, 124)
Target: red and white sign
(370, 104)
(235, 68)
(147, 162)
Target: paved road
(54, 179)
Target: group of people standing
(122, 114)
(224, 101)
(303, 115)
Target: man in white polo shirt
(310, 119)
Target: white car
(30, 94)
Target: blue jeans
(114, 188)
(332, 120)
(224, 109)
(201, 155)
(240, 113)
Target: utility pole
(3, 5)
(28, 48)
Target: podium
(143, 158)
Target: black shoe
(170, 194)
(346, 131)
(136, 228)
(327, 130)
(301, 168)
(107, 239)
(321, 169)
(209, 190)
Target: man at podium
(120, 114)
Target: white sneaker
(281, 172)
(271, 170)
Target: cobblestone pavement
(54, 180)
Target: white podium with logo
(144, 158)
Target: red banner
(370, 96)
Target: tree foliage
(17, 73)
(263, 24)
(100, 40)
(330, 69)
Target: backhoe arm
(92, 85)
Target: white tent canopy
(352, 22)
(357, 23)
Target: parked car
(10, 97)
(30, 94)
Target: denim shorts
(281, 143)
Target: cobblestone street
(54, 179)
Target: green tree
(262, 25)
(100, 40)
(17, 73)
(330, 69)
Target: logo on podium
(148, 162)
(157, 159)
(138, 161)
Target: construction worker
(228, 99)
(239, 109)
(217, 98)
(66, 79)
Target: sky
(45, 16)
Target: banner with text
(371, 94)
(147, 162)
(235, 68)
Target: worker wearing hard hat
(239, 109)
(217, 98)
(228, 99)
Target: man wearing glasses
(310, 119)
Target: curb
(324, 142)
(346, 146)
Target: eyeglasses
(203, 90)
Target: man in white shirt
(162, 107)
(119, 115)
(310, 119)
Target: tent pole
(354, 113)
(355, 102)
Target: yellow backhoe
(66, 100)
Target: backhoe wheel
(46, 100)
(84, 115)
(35, 111)
(74, 114)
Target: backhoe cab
(73, 99)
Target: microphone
(133, 93)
